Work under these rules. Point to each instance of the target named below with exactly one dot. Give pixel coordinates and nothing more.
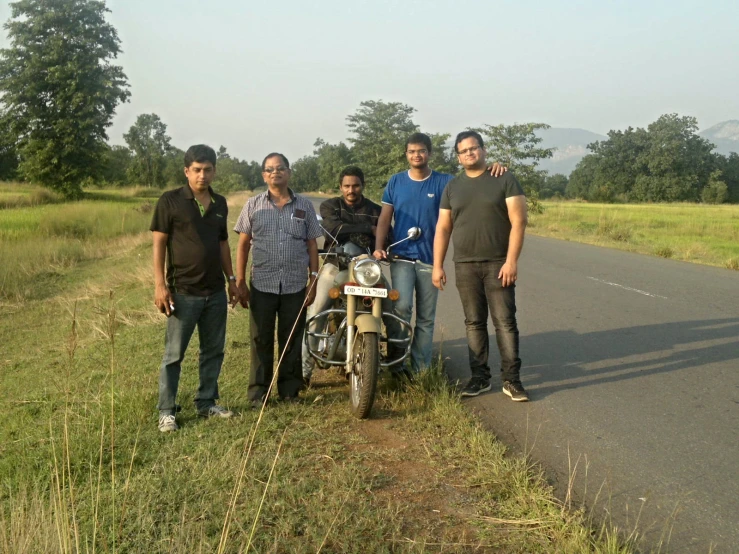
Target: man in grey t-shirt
(488, 216)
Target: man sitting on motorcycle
(350, 221)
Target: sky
(263, 76)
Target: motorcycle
(350, 333)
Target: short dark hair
(419, 138)
(200, 153)
(465, 135)
(352, 171)
(272, 155)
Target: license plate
(365, 291)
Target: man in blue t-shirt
(412, 197)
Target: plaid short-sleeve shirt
(278, 241)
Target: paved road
(632, 363)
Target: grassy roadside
(688, 232)
(84, 468)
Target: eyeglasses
(278, 169)
(422, 151)
(470, 150)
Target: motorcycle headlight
(367, 272)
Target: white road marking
(645, 293)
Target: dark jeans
(479, 289)
(265, 308)
(208, 313)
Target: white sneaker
(167, 423)
(216, 411)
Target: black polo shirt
(194, 241)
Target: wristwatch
(314, 274)
(232, 278)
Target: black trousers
(265, 310)
(479, 290)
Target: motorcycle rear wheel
(363, 378)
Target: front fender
(367, 323)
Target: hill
(724, 135)
(571, 145)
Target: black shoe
(256, 404)
(476, 385)
(515, 390)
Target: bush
(664, 252)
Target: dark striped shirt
(278, 241)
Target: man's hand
(233, 293)
(438, 277)
(508, 273)
(380, 255)
(163, 300)
(310, 292)
(496, 170)
(243, 293)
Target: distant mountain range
(571, 144)
(724, 135)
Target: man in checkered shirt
(280, 228)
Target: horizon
(275, 78)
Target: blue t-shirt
(415, 204)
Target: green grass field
(689, 232)
(84, 468)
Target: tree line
(666, 162)
(59, 88)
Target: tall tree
(517, 147)
(331, 158)
(443, 158)
(378, 146)
(150, 144)
(60, 89)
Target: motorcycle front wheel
(363, 378)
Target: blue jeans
(479, 289)
(208, 313)
(409, 278)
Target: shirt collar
(187, 193)
(267, 195)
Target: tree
(380, 130)
(554, 185)
(331, 158)
(305, 173)
(116, 160)
(150, 144)
(582, 177)
(60, 89)
(515, 146)
(716, 191)
(443, 157)
(729, 166)
(678, 161)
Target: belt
(404, 258)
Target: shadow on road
(561, 360)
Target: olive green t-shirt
(481, 227)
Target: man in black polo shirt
(190, 232)
(488, 215)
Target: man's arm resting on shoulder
(517, 214)
(441, 245)
(162, 297)
(383, 228)
(227, 267)
(310, 294)
(242, 257)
